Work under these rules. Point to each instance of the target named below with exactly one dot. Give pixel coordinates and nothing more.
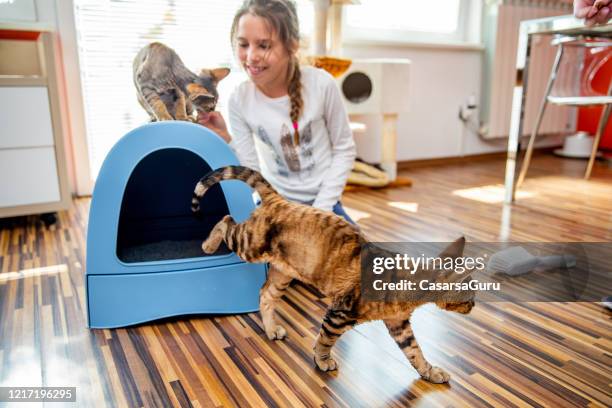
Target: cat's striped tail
(253, 178)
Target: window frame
(469, 11)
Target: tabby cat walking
(321, 249)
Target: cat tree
(374, 92)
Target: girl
(286, 121)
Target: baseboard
(444, 161)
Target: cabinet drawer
(25, 117)
(28, 176)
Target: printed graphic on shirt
(291, 165)
(281, 168)
(289, 151)
(306, 148)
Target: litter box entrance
(156, 222)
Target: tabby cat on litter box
(323, 250)
(167, 90)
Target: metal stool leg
(529, 150)
(603, 121)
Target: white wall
(441, 80)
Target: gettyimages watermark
(486, 271)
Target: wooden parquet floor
(503, 354)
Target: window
(111, 32)
(409, 21)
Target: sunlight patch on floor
(29, 273)
(405, 206)
(27, 371)
(356, 215)
(490, 194)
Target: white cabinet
(28, 176)
(25, 117)
(33, 176)
(18, 10)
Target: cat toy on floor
(515, 261)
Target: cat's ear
(217, 74)
(454, 250)
(197, 90)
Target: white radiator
(510, 13)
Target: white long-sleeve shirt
(315, 171)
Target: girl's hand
(593, 11)
(215, 122)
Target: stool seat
(580, 100)
(575, 42)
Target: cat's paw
(437, 375)
(326, 364)
(461, 307)
(277, 333)
(210, 246)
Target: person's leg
(339, 210)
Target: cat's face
(203, 92)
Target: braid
(295, 97)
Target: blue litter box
(144, 256)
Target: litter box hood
(144, 258)
(120, 166)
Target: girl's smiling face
(262, 55)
